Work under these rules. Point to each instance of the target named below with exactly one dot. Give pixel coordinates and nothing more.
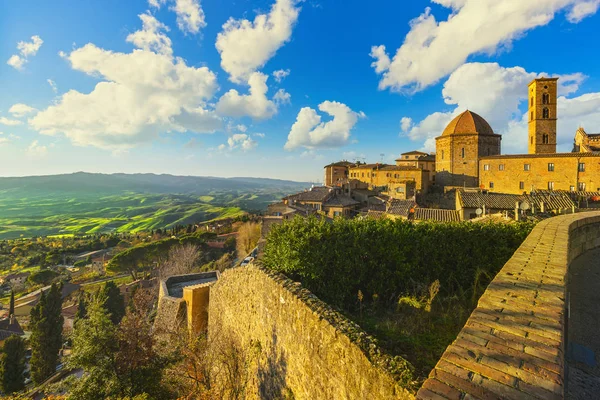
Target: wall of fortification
(513, 344)
(307, 349)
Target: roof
(550, 155)
(542, 79)
(414, 152)
(553, 200)
(340, 164)
(67, 289)
(468, 123)
(370, 166)
(400, 207)
(316, 194)
(10, 326)
(16, 276)
(341, 200)
(435, 214)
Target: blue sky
(277, 88)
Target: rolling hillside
(84, 203)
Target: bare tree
(181, 260)
(248, 237)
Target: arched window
(545, 113)
(531, 116)
(545, 98)
(462, 152)
(442, 154)
(545, 139)
(532, 101)
(532, 140)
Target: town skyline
(70, 93)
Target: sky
(278, 88)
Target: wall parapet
(513, 344)
(326, 355)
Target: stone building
(336, 173)
(586, 142)
(465, 140)
(380, 176)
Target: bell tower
(542, 96)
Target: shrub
(387, 258)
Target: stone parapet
(513, 344)
(309, 350)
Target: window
(550, 185)
(545, 113)
(442, 154)
(491, 185)
(531, 103)
(486, 167)
(501, 167)
(406, 157)
(521, 185)
(550, 167)
(545, 98)
(581, 186)
(463, 152)
(581, 167)
(337, 213)
(572, 188)
(363, 175)
(395, 175)
(545, 138)
(531, 116)
(532, 140)
(526, 167)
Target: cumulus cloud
(433, 49)
(281, 74)
(190, 16)
(141, 94)
(255, 104)
(4, 140)
(282, 97)
(36, 150)
(405, 124)
(20, 110)
(246, 46)
(309, 132)
(9, 122)
(239, 141)
(26, 49)
(151, 37)
(497, 94)
(52, 85)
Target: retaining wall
(308, 350)
(513, 344)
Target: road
(110, 278)
(583, 335)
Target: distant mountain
(103, 184)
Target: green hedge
(387, 258)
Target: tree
(181, 260)
(247, 238)
(46, 334)
(113, 301)
(11, 308)
(81, 309)
(12, 365)
(94, 346)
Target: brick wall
(308, 349)
(513, 344)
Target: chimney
(12, 319)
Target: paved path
(583, 337)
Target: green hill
(84, 203)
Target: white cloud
(190, 16)
(282, 97)
(9, 122)
(141, 95)
(405, 124)
(255, 104)
(496, 93)
(281, 74)
(20, 110)
(151, 36)
(308, 131)
(52, 85)
(4, 140)
(246, 46)
(239, 140)
(26, 49)
(260, 135)
(36, 150)
(14, 136)
(156, 3)
(433, 49)
(241, 128)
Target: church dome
(468, 123)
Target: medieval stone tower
(542, 115)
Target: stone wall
(513, 344)
(308, 349)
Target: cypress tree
(81, 309)
(113, 301)
(11, 309)
(12, 365)
(46, 334)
